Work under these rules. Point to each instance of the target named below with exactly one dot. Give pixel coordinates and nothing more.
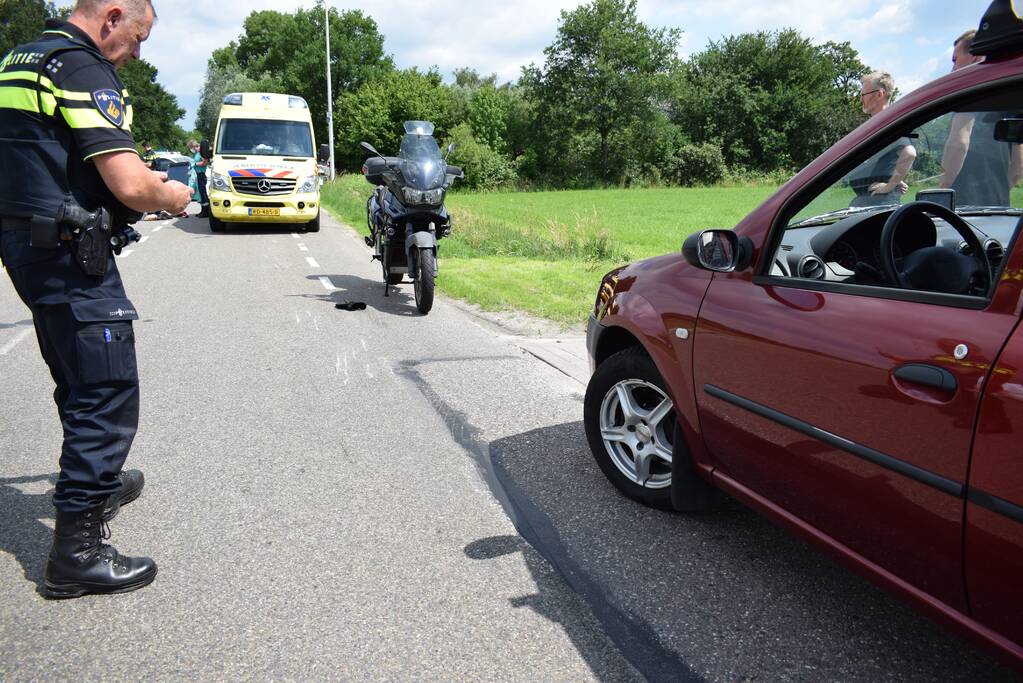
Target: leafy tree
(21, 21)
(290, 48)
(487, 116)
(375, 112)
(604, 73)
(485, 168)
(155, 109)
(224, 75)
(770, 100)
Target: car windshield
(263, 137)
(955, 151)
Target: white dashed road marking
(312, 262)
(144, 238)
(296, 235)
(327, 284)
(126, 253)
(14, 342)
(302, 247)
(158, 228)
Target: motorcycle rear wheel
(426, 262)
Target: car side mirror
(204, 150)
(721, 251)
(324, 154)
(1009, 130)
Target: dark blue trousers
(83, 326)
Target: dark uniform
(61, 104)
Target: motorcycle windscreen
(422, 166)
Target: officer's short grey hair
(134, 8)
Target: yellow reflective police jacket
(61, 104)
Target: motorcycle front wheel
(426, 265)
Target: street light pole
(330, 97)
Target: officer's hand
(178, 196)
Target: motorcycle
(405, 213)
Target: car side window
(963, 160)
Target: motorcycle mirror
(371, 149)
(451, 148)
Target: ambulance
(263, 167)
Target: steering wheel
(936, 268)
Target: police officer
(67, 150)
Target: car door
(848, 405)
(994, 511)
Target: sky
(911, 39)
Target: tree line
(612, 103)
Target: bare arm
(904, 162)
(137, 187)
(956, 147)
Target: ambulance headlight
(220, 182)
(308, 184)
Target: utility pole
(330, 97)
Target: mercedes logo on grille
(263, 186)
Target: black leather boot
(81, 563)
(132, 482)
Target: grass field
(545, 252)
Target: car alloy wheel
(637, 422)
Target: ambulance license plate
(264, 212)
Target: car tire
(314, 224)
(618, 434)
(217, 225)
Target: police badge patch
(110, 105)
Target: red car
(851, 369)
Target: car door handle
(927, 375)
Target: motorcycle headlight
(308, 184)
(433, 197)
(220, 182)
(413, 196)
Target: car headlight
(308, 184)
(220, 182)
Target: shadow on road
(401, 300)
(722, 596)
(201, 226)
(22, 533)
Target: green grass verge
(545, 252)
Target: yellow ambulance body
(263, 167)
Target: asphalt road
(377, 495)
